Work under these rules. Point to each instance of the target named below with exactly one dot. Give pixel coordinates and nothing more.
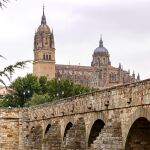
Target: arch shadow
(47, 129)
(139, 113)
(95, 131)
(139, 135)
(68, 126)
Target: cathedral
(100, 74)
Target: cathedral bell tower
(44, 51)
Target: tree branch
(3, 2)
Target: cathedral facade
(100, 74)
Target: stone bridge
(116, 118)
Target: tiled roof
(75, 67)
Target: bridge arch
(95, 131)
(93, 118)
(52, 136)
(35, 137)
(68, 127)
(138, 124)
(47, 128)
(66, 121)
(139, 135)
(76, 135)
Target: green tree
(9, 101)
(60, 88)
(30, 90)
(43, 85)
(38, 99)
(8, 71)
(65, 88)
(24, 88)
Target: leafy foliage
(24, 88)
(3, 3)
(9, 70)
(38, 99)
(30, 90)
(9, 101)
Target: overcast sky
(77, 25)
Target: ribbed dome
(101, 50)
(43, 28)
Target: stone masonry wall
(9, 125)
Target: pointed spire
(138, 77)
(43, 21)
(120, 66)
(128, 71)
(52, 39)
(101, 41)
(133, 74)
(52, 34)
(43, 10)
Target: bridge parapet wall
(130, 95)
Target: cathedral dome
(43, 28)
(101, 50)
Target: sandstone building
(100, 74)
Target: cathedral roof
(101, 49)
(74, 67)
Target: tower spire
(43, 10)
(138, 77)
(133, 74)
(43, 21)
(101, 41)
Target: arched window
(49, 57)
(44, 57)
(46, 41)
(104, 60)
(112, 77)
